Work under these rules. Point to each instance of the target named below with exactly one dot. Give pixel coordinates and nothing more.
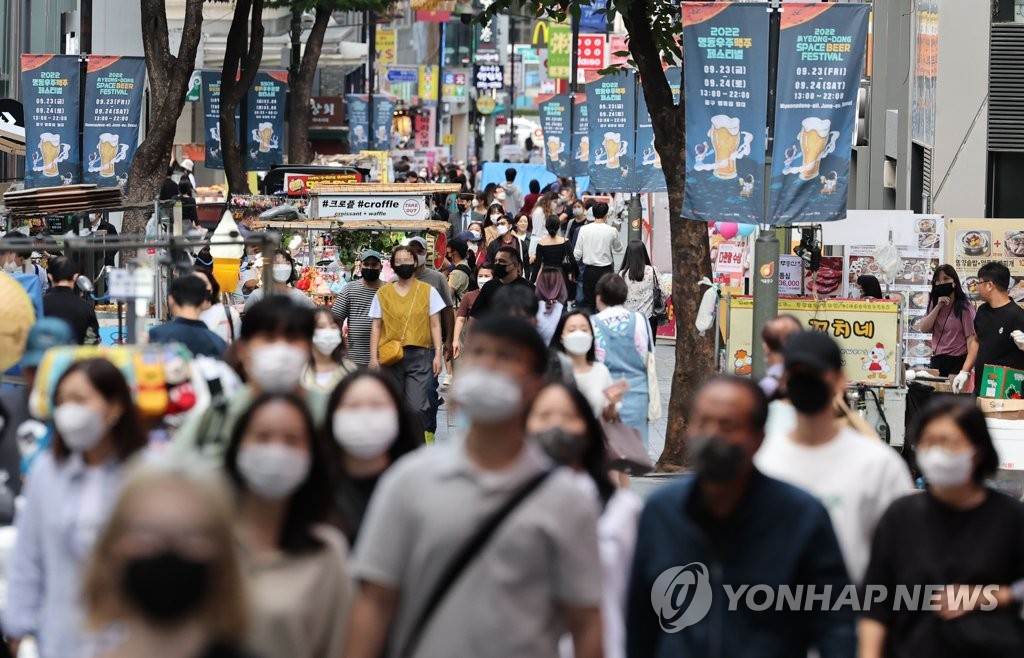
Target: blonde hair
(224, 610)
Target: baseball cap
(467, 236)
(813, 349)
(370, 253)
(416, 240)
(45, 333)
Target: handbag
(392, 351)
(626, 451)
(653, 390)
(659, 311)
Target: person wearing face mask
(720, 522)
(999, 322)
(484, 274)
(432, 503)
(274, 348)
(594, 248)
(561, 423)
(68, 496)
(220, 318)
(575, 337)
(371, 427)
(186, 298)
(164, 578)
(950, 321)
(856, 476)
(352, 305)
(490, 231)
(544, 207)
(16, 257)
(507, 272)
(284, 276)
(328, 365)
(406, 322)
(959, 534)
(249, 274)
(295, 562)
(506, 238)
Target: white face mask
(271, 470)
(502, 229)
(421, 259)
(11, 267)
(80, 426)
(476, 235)
(365, 433)
(326, 340)
(481, 280)
(282, 272)
(495, 217)
(943, 468)
(277, 367)
(577, 342)
(486, 396)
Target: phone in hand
(616, 391)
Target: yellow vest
(396, 310)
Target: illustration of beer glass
(111, 152)
(725, 138)
(215, 133)
(612, 148)
(555, 147)
(53, 152)
(359, 135)
(382, 136)
(265, 136)
(817, 141)
(583, 152)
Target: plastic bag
(708, 306)
(888, 258)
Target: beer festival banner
(611, 108)
(50, 88)
(649, 176)
(726, 67)
(554, 122)
(265, 121)
(821, 55)
(359, 137)
(211, 120)
(580, 137)
(113, 108)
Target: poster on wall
(554, 122)
(726, 78)
(821, 55)
(970, 243)
(611, 108)
(50, 87)
(113, 108)
(211, 114)
(266, 119)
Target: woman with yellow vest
(405, 338)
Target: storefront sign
(867, 334)
(386, 53)
(726, 69)
(486, 50)
(396, 75)
(485, 105)
(821, 55)
(326, 111)
(593, 16)
(453, 87)
(554, 122)
(113, 108)
(211, 116)
(790, 275)
(926, 72)
(489, 76)
(590, 52)
(617, 44)
(611, 106)
(428, 85)
(303, 184)
(559, 47)
(385, 207)
(971, 243)
(50, 87)
(266, 119)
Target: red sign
(303, 184)
(424, 131)
(433, 16)
(617, 45)
(590, 51)
(327, 112)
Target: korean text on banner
(427, 85)
(821, 54)
(383, 117)
(113, 108)
(385, 44)
(358, 122)
(554, 121)
(611, 106)
(266, 119)
(559, 47)
(50, 87)
(580, 165)
(726, 78)
(867, 333)
(649, 176)
(211, 116)
(392, 207)
(971, 243)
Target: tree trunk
(691, 254)
(242, 56)
(168, 82)
(299, 116)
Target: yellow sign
(380, 164)
(970, 243)
(448, 139)
(867, 333)
(485, 105)
(540, 34)
(386, 54)
(428, 84)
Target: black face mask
(808, 394)
(370, 275)
(715, 459)
(405, 271)
(166, 587)
(500, 270)
(942, 289)
(563, 447)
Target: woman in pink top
(950, 320)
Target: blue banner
(821, 54)
(265, 107)
(211, 115)
(359, 122)
(592, 21)
(383, 117)
(726, 78)
(580, 137)
(611, 106)
(650, 177)
(554, 121)
(113, 108)
(50, 86)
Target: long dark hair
(960, 300)
(339, 352)
(556, 340)
(971, 421)
(127, 433)
(308, 505)
(635, 261)
(869, 284)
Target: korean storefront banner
(580, 137)
(559, 48)
(265, 107)
(649, 176)
(611, 109)
(554, 122)
(821, 55)
(50, 87)
(970, 243)
(726, 78)
(211, 114)
(867, 333)
(113, 108)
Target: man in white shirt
(856, 477)
(595, 247)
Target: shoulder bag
(659, 311)
(625, 448)
(391, 352)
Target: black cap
(813, 349)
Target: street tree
(654, 29)
(168, 81)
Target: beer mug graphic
(382, 135)
(359, 135)
(265, 136)
(651, 156)
(51, 153)
(215, 133)
(728, 143)
(816, 141)
(612, 148)
(110, 153)
(583, 152)
(555, 148)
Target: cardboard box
(1000, 382)
(1005, 409)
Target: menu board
(970, 243)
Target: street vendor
(950, 320)
(999, 324)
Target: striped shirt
(353, 304)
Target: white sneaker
(444, 381)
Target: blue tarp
(494, 172)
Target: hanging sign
(113, 109)
(50, 87)
(265, 105)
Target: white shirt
(856, 477)
(595, 243)
(593, 384)
(216, 319)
